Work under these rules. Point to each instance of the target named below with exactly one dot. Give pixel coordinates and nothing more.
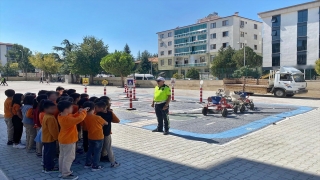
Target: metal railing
(191, 43)
(191, 33)
(192, 65)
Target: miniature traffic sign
(85, 81)
(105, 82)
(130, 83)
(173, 81)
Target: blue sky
(41, 24)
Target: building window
(276, 61)
(225, 33)
(276, 21)
(302, 44)
(186, 61)
(303, 16)
(169, 43)
(255, 26)
(161, 36)
(275, 35)
(225, 23)
(224, 45)
(302, 30)
(169, 52)
(213, 25)
(255, 37)
(212, 46)
(242, 34)
(161, 44)
(202, 59)
(170, 62)
(255, 47)
(169, 34)
(162, 53)
(276, 47)
(302, 59)
(162, 62)
(213, 36)
(242, 24)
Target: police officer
(161, 100)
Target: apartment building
(196, 45)
(291, 36)
(4, 48)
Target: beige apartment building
(196, 45)
(4, 48)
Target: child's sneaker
(10, 143)
(96, 168)
(60, 175)
(54, 170)
(71, 176)
(115, 164)
(87, 166)
(19, 146)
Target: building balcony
(192, 65)
(191, 43)
(201, 31)
(192, 52)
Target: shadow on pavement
(140, 166)
(209, 141)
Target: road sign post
(105, 83)
(85, 82)
(125, 88)
(134, 91)
(201, 83)
(130, 85)
(173, 82)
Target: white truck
(284, 82)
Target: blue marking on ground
(124, 121)
(242, 129)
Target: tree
(193, 73)
(66, 52)
(138, 56)
(20, 54)
(246, 71)
(87, 56)
(223, 63)
(9, 69)
(118, 63)
(252, 58)
(126, 49)
(145, 65)
(46, 62)
(317, 67)
(177, 76)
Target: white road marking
(210, 123)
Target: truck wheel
(290, 95)
(279, 93)
(235, 109)
(242, 108)
(251, 106)
(224, 112)
(205, 111)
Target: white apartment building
(196, 45)
(4, 48)
(291, 36)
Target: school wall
(208, 85)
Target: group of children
(56, 120)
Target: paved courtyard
(280, 139)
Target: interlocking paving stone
(273, 152)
